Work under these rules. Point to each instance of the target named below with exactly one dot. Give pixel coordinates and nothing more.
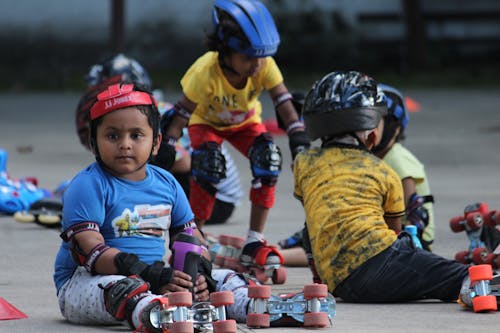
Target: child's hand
(201, 293)
(180, 282)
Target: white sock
(254, 236)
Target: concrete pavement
(455, 135)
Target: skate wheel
(493, 218)
(279, 276)
(180, 298)
(315, 290)
(181, 327)
(224, 326)
(258, 320)
(481, 256)
(484, 303)
(463, 257)
(24, 217)
(475, 221)
(236, 242)
(316, 319)
(222, 298)
(496, 262)
(480, 273)
(456, 225)
(49, 220)
(258, 291)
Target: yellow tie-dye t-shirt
(346, 193)
(219, 104)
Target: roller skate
(177, 314)
(46, 211)
(490, 252)
(481, 291)
(471, 222)
(313, 307)
(251, 259)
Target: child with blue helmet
(354, 202)
(220, 102)
(418, 198)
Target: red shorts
(242, 139)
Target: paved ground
(456, 135)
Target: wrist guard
(205, 269)
(156, 274)
(166, 154)
(416, 213)
(298, 141)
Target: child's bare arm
(394, 223)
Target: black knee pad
(208, 163)
(265, 159)
(122, 296)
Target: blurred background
(50, 44)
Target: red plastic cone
(9, 311)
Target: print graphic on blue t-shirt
(145, 220)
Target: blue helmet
(128, 68)
(256, 23)
(396, 105)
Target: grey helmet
(343, 102)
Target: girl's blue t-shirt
(133, 216)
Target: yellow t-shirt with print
(219, 104)
(346, 193)
(407, 165)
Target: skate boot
(263, 262)
(313, 307)
(177, 313)
(481, 289)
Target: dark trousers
(403, 273)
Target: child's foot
(260, 253)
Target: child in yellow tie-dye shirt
(354, 202)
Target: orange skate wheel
(224, 326)
(222, 298)
(475, 221)
(484, 303)
(258, 320)
(258, 291)
(279, 275)
(316, 290)
(496, 261)
(456, 225)
(180, 298)
(316, 319)
(463, 257)
(480, 273)
(493, 218)
(478, 255)
(182, 327)
(236, 242)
